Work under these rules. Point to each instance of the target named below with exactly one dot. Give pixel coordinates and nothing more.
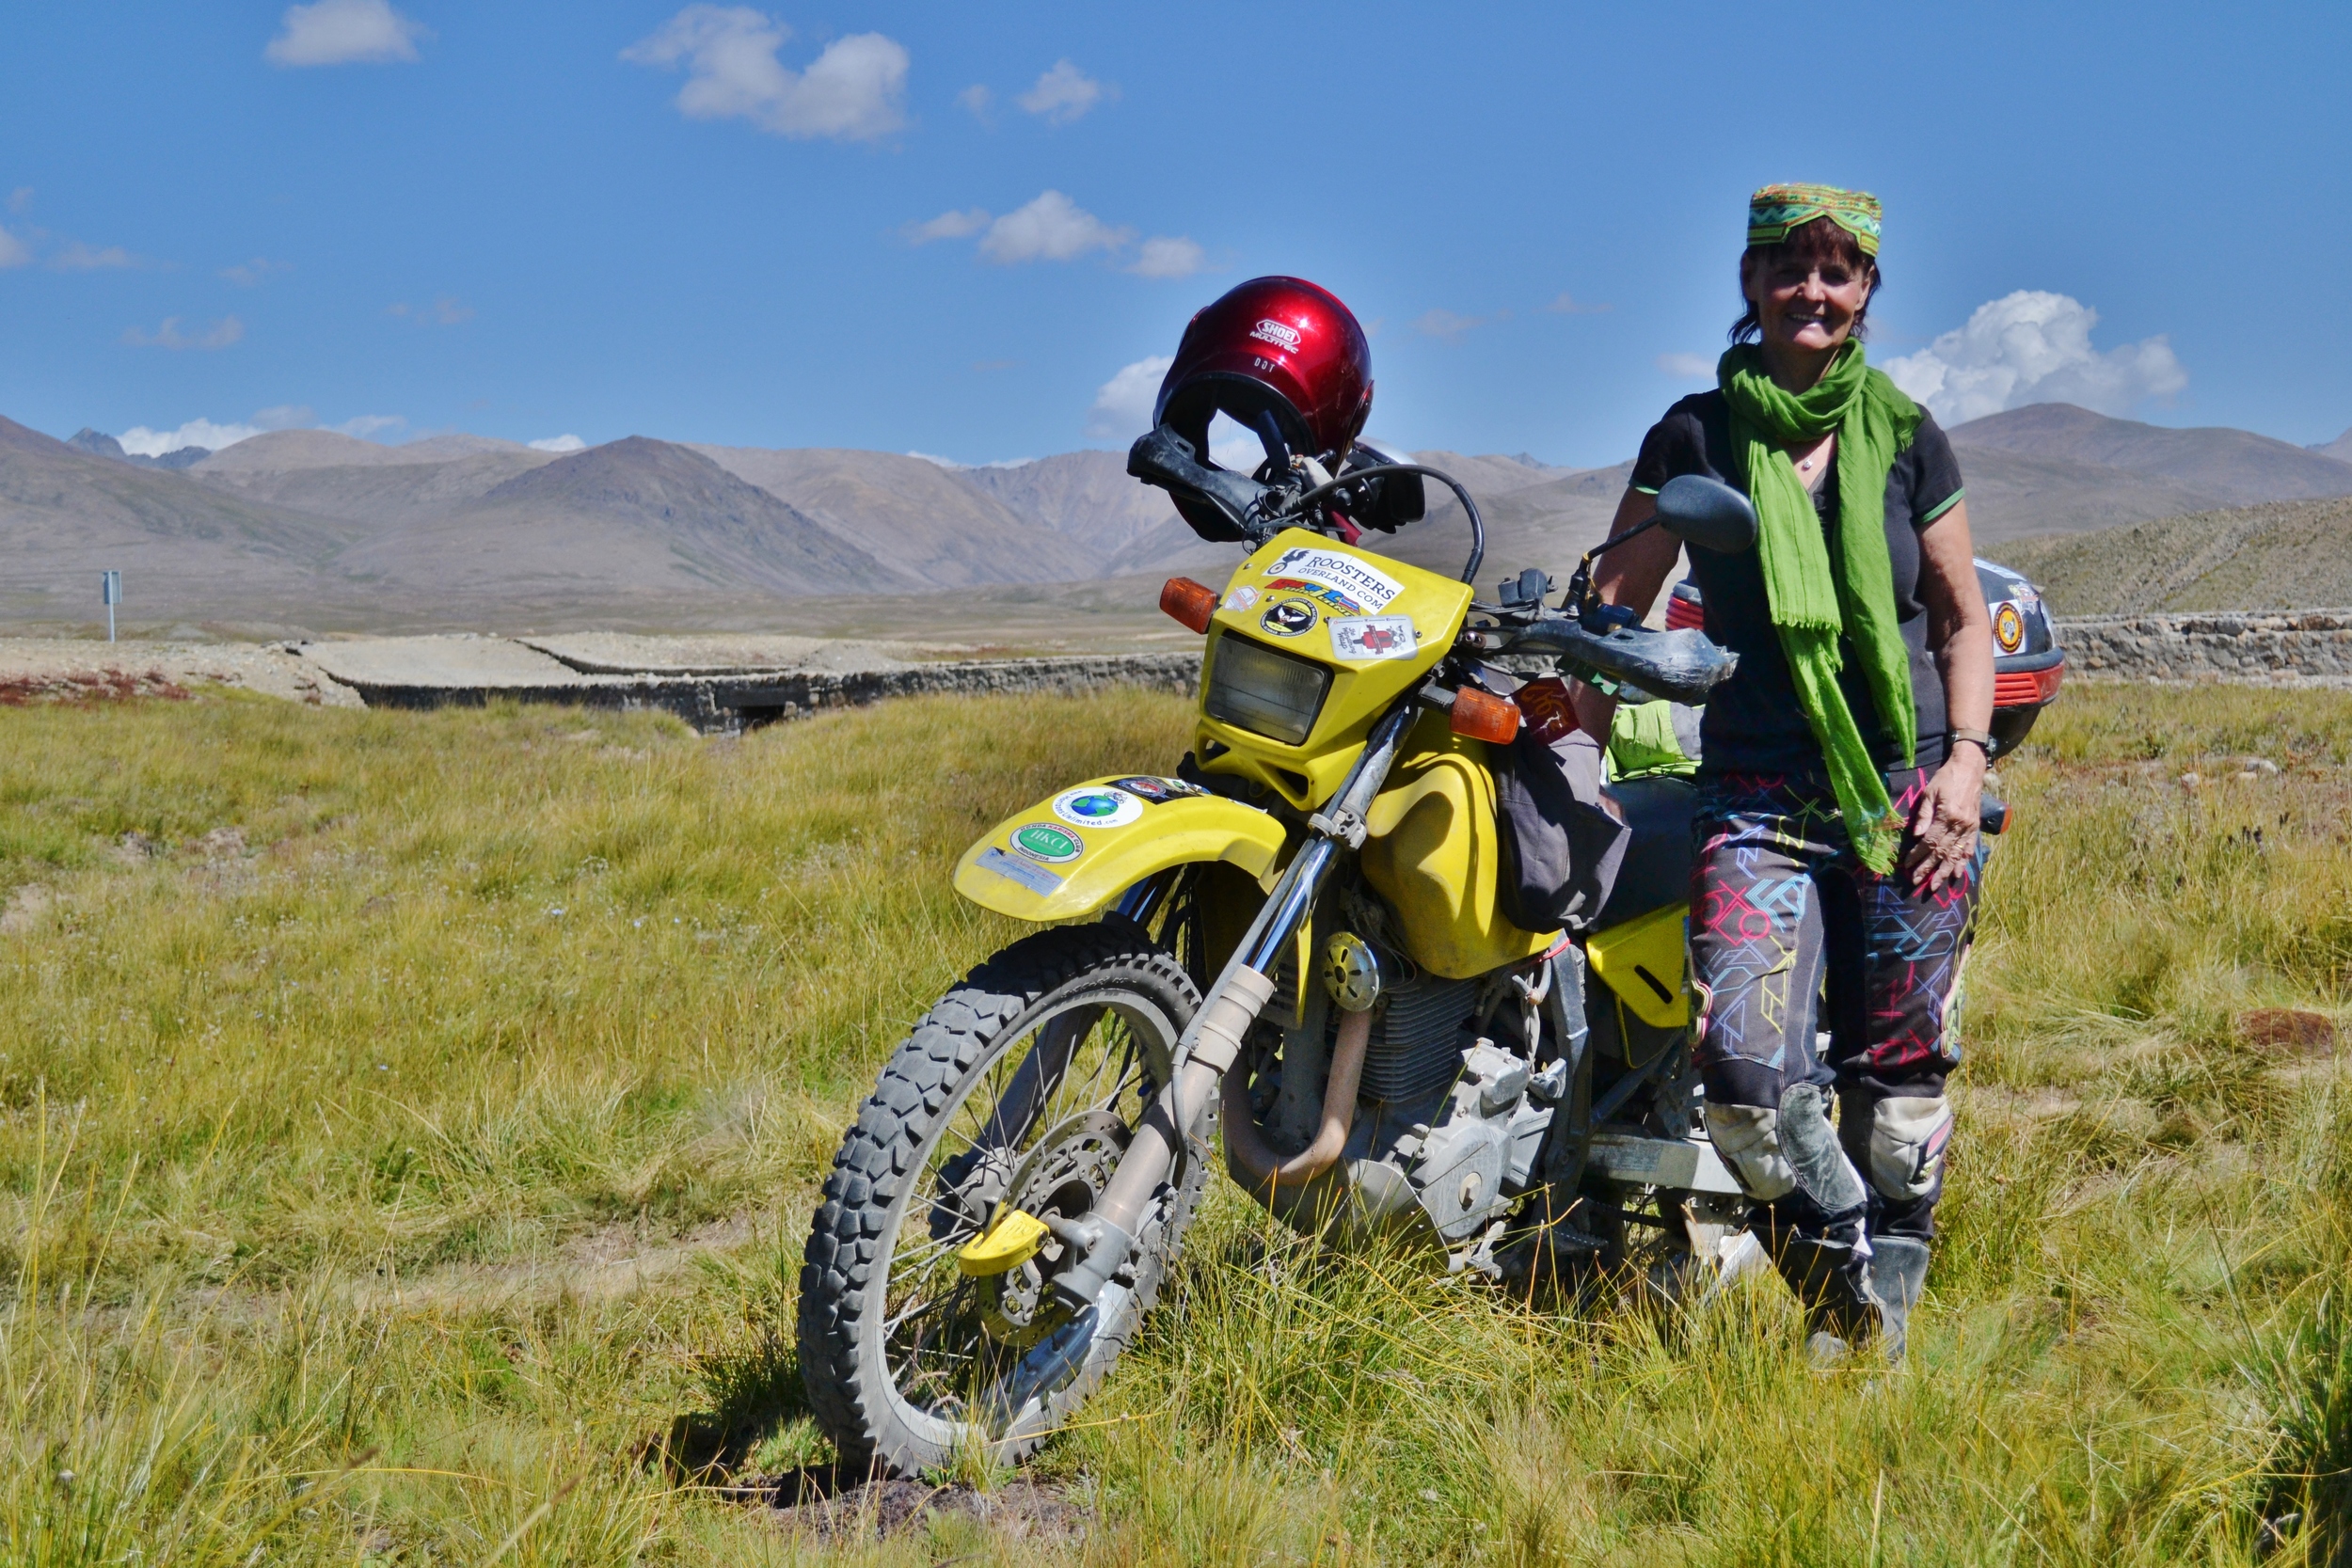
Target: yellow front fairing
(1073, 854)
(1435, 853)
(1347, 610)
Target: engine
(1448, 1122)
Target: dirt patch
(26, 906)
(2288, 1030)
(610, 1261)
(62, 668)
(88, 687)
(805, 1503)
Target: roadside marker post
(110, 590)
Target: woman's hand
(1943, 824)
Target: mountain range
(315, 530)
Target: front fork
(1102, 1241)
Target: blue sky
(605, 218)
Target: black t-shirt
(1753, 724)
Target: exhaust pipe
(1255, 1164)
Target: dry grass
(409, 1124)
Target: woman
(1842, 765)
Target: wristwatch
(1983, 739)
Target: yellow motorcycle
(1298, 941)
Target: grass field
(409, 1125)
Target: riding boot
(1830, 1275)
(1898, 1271)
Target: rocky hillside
(2282, 555)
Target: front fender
(1073, 854)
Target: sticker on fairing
(1288, 618)
(1043, 841)
(1373, 637)
(1333, 601)
(1359, 580)
(1241, 598)
(1158, 791)
(1099, 807)
(1013, 870)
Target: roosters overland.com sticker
(1099, 807)
(1359, 580)
(1373, 635)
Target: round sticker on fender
(1042, 841)
(1097, 808)
(2008, 628)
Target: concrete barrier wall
(2299, 647)
(723, 703)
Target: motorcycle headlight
(1254, 687)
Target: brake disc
(1062, 1178)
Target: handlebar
(1259, 512)
(1680, 666)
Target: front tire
(1021, 1084)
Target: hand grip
(1681, 666)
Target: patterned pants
(1787, 926)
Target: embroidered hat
(1776, 208)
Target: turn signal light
(1482, 716)
(1191, 603)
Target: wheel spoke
(1032, 1123)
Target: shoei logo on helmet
(1280, 334)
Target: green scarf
(1815, 594)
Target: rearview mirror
(1707, 513)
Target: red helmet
(1275, 352)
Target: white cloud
(1122, 411)
(567, 442)
(343, 32)
(979, 100)
(20, 199)
(245, 275)
(367, 427)
(1234, 445)
(1063, 94)
(1568, 304)
(2033, 346)
(1687, 367)
(220, 334)
(1451, 325)
(1166, 256)
(13, 251)
(142, 442)
(852, 91)
(947, 226)
(1051, 229)
(284, 416)
(1122, 405)
(444, 312)
(78, 257)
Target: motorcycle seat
(1656, 868)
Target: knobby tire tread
(878, 1158)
